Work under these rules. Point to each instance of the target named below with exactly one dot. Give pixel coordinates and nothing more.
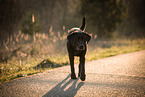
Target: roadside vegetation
(22, 56)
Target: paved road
(122, 75)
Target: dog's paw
(83, 77)
(73, 76)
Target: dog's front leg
(82, 68)
(73, 75)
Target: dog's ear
(70, 36)
(87, 37)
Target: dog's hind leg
(79, 70)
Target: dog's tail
(83, 24)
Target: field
(23, 55)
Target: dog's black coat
(77, 46)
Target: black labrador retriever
(77, 46)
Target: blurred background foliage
(33, 32)
(105, 18)
(30, 25)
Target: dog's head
(78, 38)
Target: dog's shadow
(65, 88)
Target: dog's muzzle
(80, 47)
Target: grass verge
(39, 60)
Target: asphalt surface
(122, 75)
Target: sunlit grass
(108, 52)
(48, 53)
(116, 48)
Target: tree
(30, 24)
(134, 25)
(103, 16)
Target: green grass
(108, 52)
(116, 48)
(47, 54)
